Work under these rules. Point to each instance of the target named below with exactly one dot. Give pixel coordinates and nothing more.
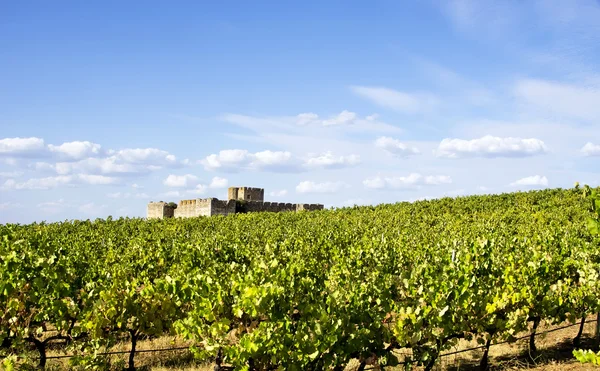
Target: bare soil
(554, 352)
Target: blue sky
(106, 106)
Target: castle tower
(159, 210)
(246, 194)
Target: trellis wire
(401, 363)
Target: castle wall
(159, 210)
(309, 207)
(253, 198)
(219, 207)
(276, 207)
(193, 208)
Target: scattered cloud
(280, 193)
(22, 147)
(329, 161)
(76, 150)
(125, 195)
(180, 181)
(325, 187)
(576, 101)
(170, 194)
(239, 159)
(413, 180)
(128, 161)
(200, 189)
(58, 181)
(233, 160)
(92, 208)
(9, 205)
(145, 156)
(535, 180)
(590, 149)
(343, 118)
(53, 207)
(395, 147)
(490, 146)
(345, 121)
(10, 174)
(218, 182)
(397, 100)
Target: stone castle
(239, 200)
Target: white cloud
(127, 161)
(490, 146)
(395, 147)
(397, 100)
(307, 119)
(218, 182)
(171, 194)
(53, 207)
(229, 158)
(145, 156)
(199, 190)
(136, 186)
(9, 205)
(192, 184)
(276, 161)
(345, 121)
(95, 179)
(266, 159)
(413, 180)
(325, 187)
(329, 161)
(534, 180)
(127, 195)
(579, 102)
(38, 183)
(279, 193)
(57, 181)
(22, 147)
(10, 174)
(77, 150)
(8, 161)
(590, 149)
(238, 159)
(343, 118)
(91, 208)
(180, 181)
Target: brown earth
(554, 353)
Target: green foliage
(304, 291)
(587, 356)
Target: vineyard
(303, 291)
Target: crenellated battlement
(240, 200)
(246, 194)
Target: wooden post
(597, 334)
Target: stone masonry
(246, 194)
(240, 199)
